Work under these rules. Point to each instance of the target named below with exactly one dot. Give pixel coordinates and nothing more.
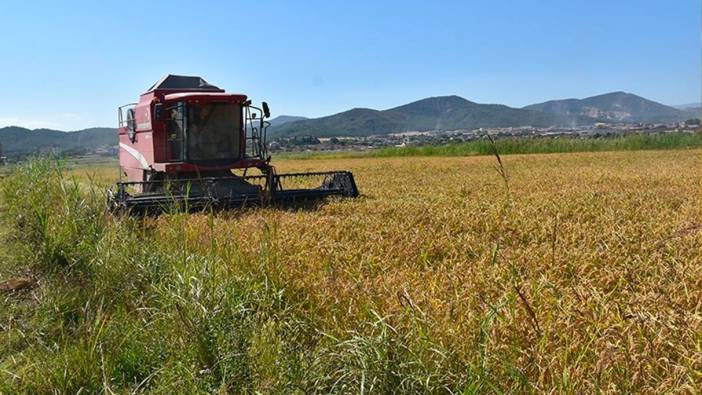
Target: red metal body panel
(148, 152)
(206, 96)
(185, 167)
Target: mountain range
(434, 113)
(17, 140)
(281, 119)
(454, 112)
(613, 107)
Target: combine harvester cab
(179, 144)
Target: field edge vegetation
(515, 146)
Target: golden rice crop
(570, 273)
(583, 270)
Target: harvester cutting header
(180, 143)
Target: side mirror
(158, 111)
(266, 110)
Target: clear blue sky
(68, 66)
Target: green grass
(507, 146)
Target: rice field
(573, 273)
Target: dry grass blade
(499, 167)
(529, 309)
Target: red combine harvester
(179, 145)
